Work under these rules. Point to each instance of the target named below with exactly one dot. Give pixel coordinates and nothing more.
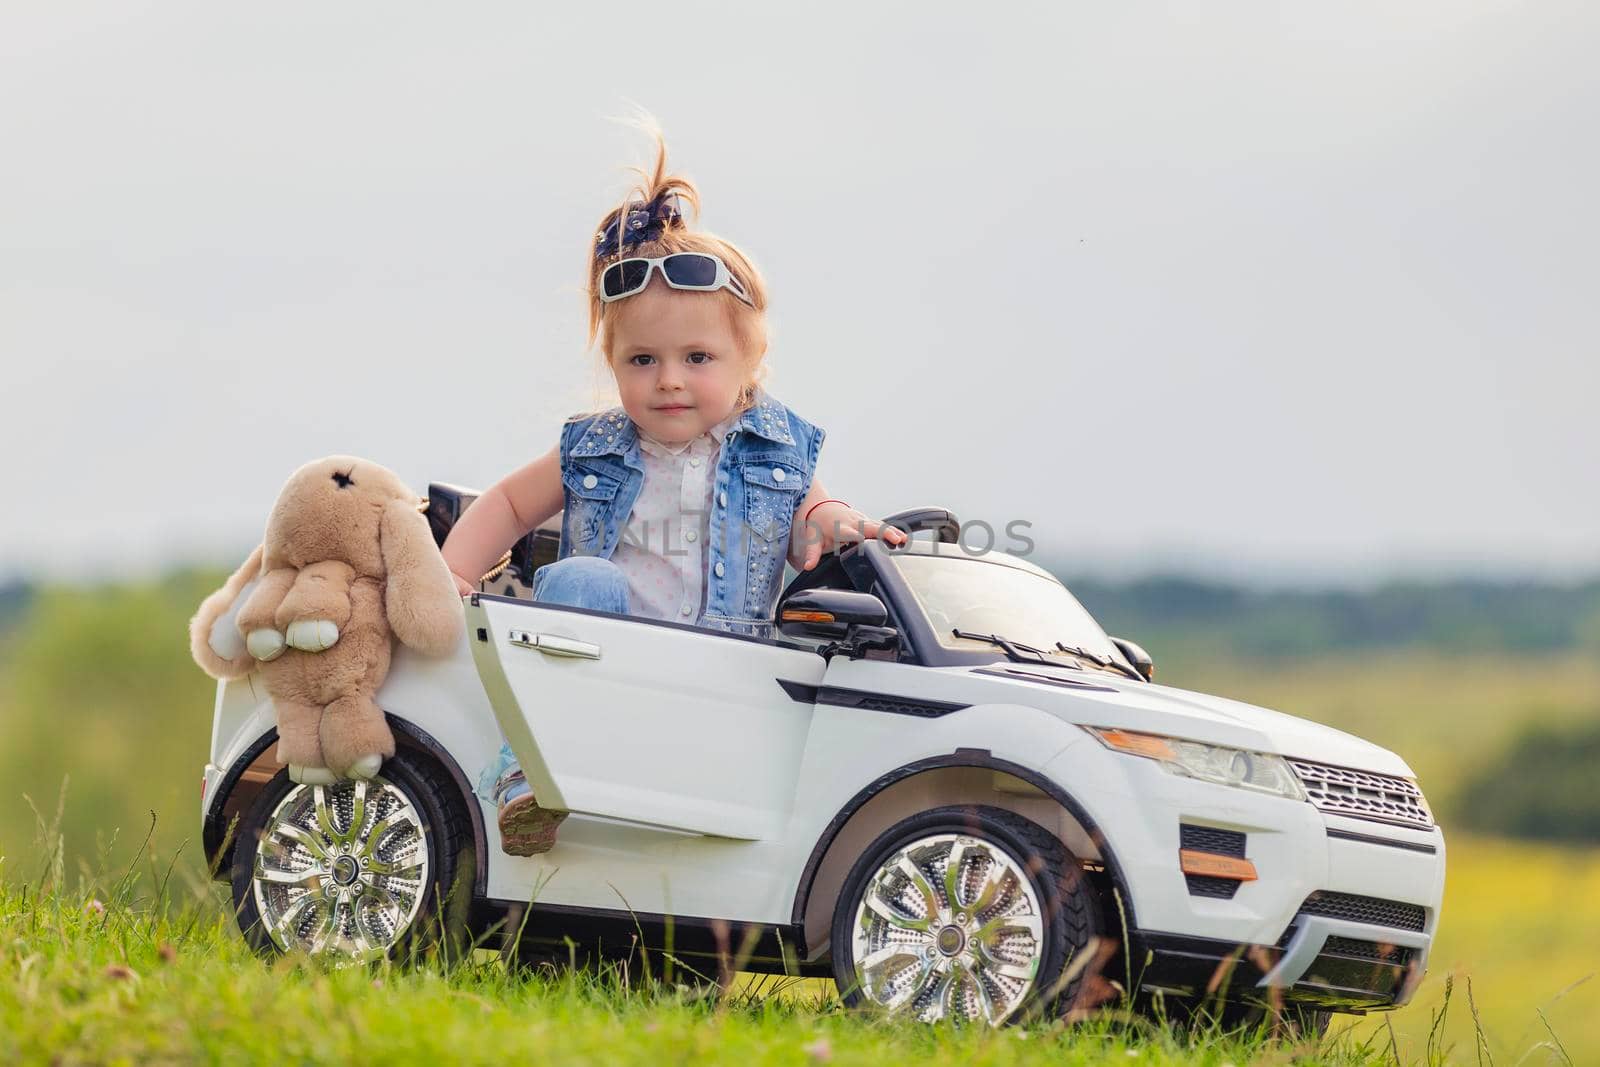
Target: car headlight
(1260, 772)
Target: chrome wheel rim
(341, 869)
(949, 927)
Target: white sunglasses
(697, 271)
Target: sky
(1278, 293)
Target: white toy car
(943, 785)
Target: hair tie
(637, 224)
(830, 500)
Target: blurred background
(1275, 324)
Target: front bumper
(1341, 915)
(1325, 964)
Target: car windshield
(958, 593)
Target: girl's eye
(699, 357)
(643, 359)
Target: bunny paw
(312, 635)
(311, 775)
(265, 645)
(365, 767)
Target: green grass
(85, 982)
(149, 967)
(97, 690)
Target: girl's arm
(506, 511)
(829, 525)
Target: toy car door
(654, 723)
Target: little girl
(682, 503)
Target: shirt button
(685, 610)
(722, 499)
(690, 535)
(778, 474)
(590, 481)
(694, 461)
(718, 568)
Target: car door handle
(555, 645)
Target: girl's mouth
(673, 409)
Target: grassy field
(97, 690)
(124, 971)
(85, 987)
(1523, 922)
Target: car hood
(1094, 699)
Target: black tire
(440, 919)
(1069, 906)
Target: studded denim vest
(764, 467)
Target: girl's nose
(670, 376)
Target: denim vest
(764, 467)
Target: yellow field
(1523, 922)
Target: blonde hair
(655, 184)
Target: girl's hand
(831, 524)
(463, 587)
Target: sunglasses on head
(697, 271)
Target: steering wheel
(913, 521)
(916, 520)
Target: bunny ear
(214, 640)
(419, 596)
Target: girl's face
(678, 364)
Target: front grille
(1211, 839)
(1367, 950)
(1371, 910)
(1363, 795)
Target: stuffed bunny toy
(347, 561)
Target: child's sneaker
(526, 829)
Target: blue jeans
(579, 582)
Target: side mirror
(830, 614)
(1137, 656)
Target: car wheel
(966, 912)
(355, 870)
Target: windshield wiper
(1018, 652)
(1013, 649)
(1103, 664)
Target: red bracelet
(818, 504)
